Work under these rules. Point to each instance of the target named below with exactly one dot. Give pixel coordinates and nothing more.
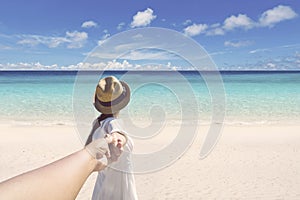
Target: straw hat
(111, 95)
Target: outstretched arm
(61, 179)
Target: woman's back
(116, 182)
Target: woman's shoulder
(115, 124)
(103, 127)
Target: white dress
(111, 183)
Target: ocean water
(48, 97)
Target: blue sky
(40, 34)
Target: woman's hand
(107, 150)
(116, 142)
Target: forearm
(59, 180)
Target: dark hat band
(114, 102)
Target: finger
(116, 151)
(108, 154)
(120, 146)
(108, 138)
(99, 155)
(102, 150)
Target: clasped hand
(107, 150)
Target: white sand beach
(248, 162)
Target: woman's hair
(96, 125)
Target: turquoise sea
(252, 97)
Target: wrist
(92, 161)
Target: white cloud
(27, 66)
(277, 14)
(291, 46)
(187, 22)
(216, 25)
(126, 47)
(114, 65)
(143, 18)
(89, 24)
(73, 40)
(85, 66)
(258, 50)
(136, 55)
(297, 60)
(289, 62)
(103, 39)
(120, 25)
(195, 29)
(237, 44)
(276, 48)
(240, 21)
(5, 47)
(76, 39)
(110, 65)
(148, 54)
(271, 65)
(215, 31)
(232, 22)
(32, 40)
(39, 66)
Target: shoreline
(72, 123)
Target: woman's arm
(61, 179)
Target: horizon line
(126, 70)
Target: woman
(116, 182)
